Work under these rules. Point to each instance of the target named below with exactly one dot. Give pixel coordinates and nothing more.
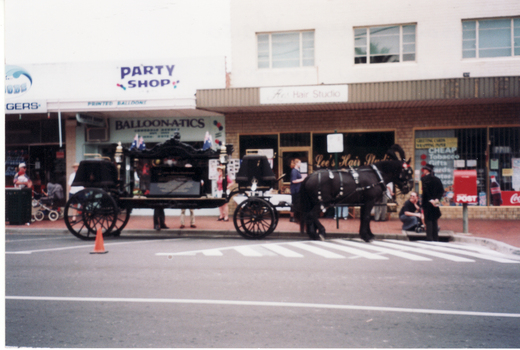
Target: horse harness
(355, 175)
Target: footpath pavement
(500, 235)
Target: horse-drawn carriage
(106, 202)
(173, 175)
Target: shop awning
(400, 94)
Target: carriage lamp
(118, 157)
(224, 158)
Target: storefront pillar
(70, 148)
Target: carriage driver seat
(96, 173)
(258, 167)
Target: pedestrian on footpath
(432, 192)
(224, 209)
(192, 218)
(296, 182)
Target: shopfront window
(449, 150)
(359, 149)
(504, 165)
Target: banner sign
(435, 142)
(304, 94)
(208, 130)
(110, 85)
(511, 198)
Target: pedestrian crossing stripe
(355, 249)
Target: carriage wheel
(88, 210)
(121, 220)
(255, 218)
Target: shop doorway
(288, 154)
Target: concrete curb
(498, 246)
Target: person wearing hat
(432, 192)
(21, 179)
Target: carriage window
(260, 144)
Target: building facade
(60, 114)
(441, 79)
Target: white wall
(438, 39)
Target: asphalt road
(219, 292)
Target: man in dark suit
(432, 192)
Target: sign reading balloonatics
(304, 94)
(201, 129)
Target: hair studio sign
(304, 94)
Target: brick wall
(403, 121)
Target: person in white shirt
(21, 179)
(74, 189)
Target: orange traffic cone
(99, 246)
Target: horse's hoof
(367, 239)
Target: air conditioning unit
(98, 134)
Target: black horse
(362, 186)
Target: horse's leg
(321, 230)
(315, 229)
(369, 209)
(364, 227)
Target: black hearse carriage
(106, 202)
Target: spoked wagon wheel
(255, 218)
(88, 210)
(122, 219)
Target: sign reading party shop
(169, 83)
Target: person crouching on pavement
(410, 214)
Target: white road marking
(462, 252)
(353, 251)
(283, 251)
(247, 251)
(396, 245)
(267, 304)
(474, 248)
(317, 251)
(212, 252)
(397, 253)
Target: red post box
(465, 186)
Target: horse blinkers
(406, 177)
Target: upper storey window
(491, 38)
(384, 44)
(286, 50)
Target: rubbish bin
(18, 205)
